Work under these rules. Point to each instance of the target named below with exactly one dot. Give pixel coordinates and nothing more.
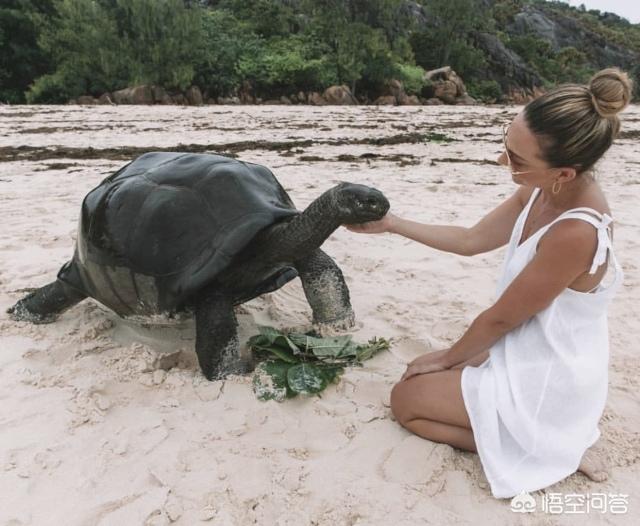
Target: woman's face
(525, 156)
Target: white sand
(103, 422)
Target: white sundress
(535, 402)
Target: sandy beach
(104, 422)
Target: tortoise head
(357, 203)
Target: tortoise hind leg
(44, 304)
(326, 291)
(217, 345)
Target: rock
(396, 89)
(433, 102)
(461, 89)
(194, 96)
(385, 100)
(466, 99)
(517, 95)
(212, 101)
(446, 85)
(245, 93)
(302, 97)
(316, 99)
(409, 100)
(228, 100)
(106, 98)
(134, 95)
(285, 100)
(272, 102)
(86, 100)
(446, 91)
(442, 73)
(160, 96)
(505, 66)
(339, 96)
(180, 99)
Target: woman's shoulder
(592, 197)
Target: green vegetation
(54, 50)
(297, 363)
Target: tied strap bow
(604, 243)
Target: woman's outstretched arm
(491, 232)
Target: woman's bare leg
(455, 436)
(431, 406)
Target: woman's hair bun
(610, 91)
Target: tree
(21, 59)
(82, 44)
(447, 41)
(361, 38)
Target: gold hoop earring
(553, 188)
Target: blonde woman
(526, 384)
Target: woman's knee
(401, 406)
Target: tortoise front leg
(326, 291)
(217, 343)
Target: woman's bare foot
(593, 464)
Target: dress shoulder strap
(601, 222)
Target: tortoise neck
(297, 237)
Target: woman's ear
(566, 175)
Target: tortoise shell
(166, 224)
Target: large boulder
(394, 94)
(409, 100)
(385, 100)
(505, 66)
(194, 96)
(134, 95)
(446, 85)
(180, 99)
(566, 31)
(160, 96)
(466, 100)
(446, 91)
(228, 100)
(106, 99)
(315, 99)
(339, 96)
(86, 100)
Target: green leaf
(275, 337)
(350, 350)
(270, 381)
(271, 333)
(332, 373)
(306, 378)
(373, 347)
(321, 347)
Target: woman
(526, 384)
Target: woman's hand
(374, 227)
(431, 362)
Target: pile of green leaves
(296, 363)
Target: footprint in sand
(408, 349)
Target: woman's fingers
(413, 370)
